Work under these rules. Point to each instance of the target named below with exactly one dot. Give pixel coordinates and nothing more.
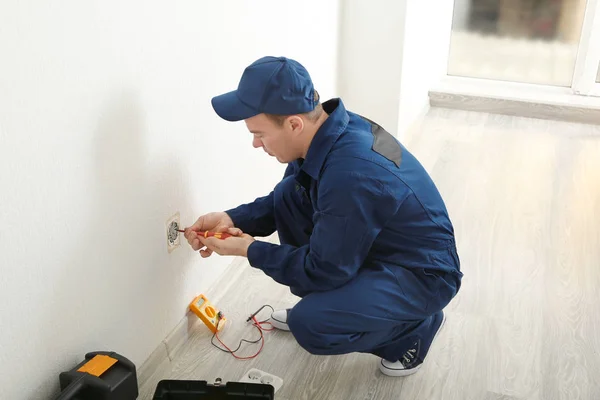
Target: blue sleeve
(352, 209)
(257, 218)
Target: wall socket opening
(173, 237)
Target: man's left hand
(236, 245)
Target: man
(366, 240)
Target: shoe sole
(406, 372)
(282, 326)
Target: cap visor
(229, 107)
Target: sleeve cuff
(258, 253)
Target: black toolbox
(102, 375)
(202, 390)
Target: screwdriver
(218, 235)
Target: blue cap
(271, 85)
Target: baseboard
(158, 360)
(167, 350)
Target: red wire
(263, 323)
(260, 328)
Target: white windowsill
(511, 91)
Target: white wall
(370, 62)
(106, 129)
(391, 54)
(425, 49)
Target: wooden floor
(524, 196)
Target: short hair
(312, 115)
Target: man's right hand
(215, 222)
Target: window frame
(587, 64)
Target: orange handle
(218, 235)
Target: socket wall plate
(258, 376)
(173, 236)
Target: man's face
(276, 140)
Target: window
(542, 42)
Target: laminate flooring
(524, 196)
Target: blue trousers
(382, 311)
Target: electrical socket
(258, 376)
(173, 237)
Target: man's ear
(295, 124)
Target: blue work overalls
(366, 241)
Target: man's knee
(306, 325)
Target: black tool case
(202, 390)
(119, 382)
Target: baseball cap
(271, 85)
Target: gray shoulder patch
(385, 144)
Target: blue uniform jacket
(374, 206)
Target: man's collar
(325, 137)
